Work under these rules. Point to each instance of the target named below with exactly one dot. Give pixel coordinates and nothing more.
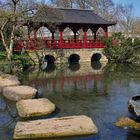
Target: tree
(126, 19)
(83, 4)
(63, 3)
(12, 13)
(136, 27)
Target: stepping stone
(56, 127)
(16, 93)
(34, 107)
(5, 82)
(129, 123)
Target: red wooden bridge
(75, 19)
(56, 44)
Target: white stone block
(56, 127)
(16, 93)
(34, 107)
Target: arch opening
(44, 32)
(96, 57)
(96, 65)
(49, 59)
(50, 68)
(90, 34)
(68, 34)
(100, 33)
(74, 66)
(74, 58)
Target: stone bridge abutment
(65, 56)
(76, 55)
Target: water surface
(85, 89)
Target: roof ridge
(78, 9)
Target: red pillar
(29, 39)
(94, 30)
(74, 36)
(85, 38)
(106, 31)
(61, 38)
(28, 32)
(52, 36)
(52, 40)
(35, 40)
(106, 34)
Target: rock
(12, 77)
(34, 107)
(5, 82)
(56, 127)
(127, 122)
(134, 106)
(16, 93)
(1, 73)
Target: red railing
(74, 44)
(56, 44)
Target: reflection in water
(74, 66)
(50, 68)
(74, 78)
(101, 95)
(96, 65)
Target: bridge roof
(71, 16)
(82, 16)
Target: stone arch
(80, 34)
(96, 57)
(100, 32)
(90, 34)
(68, 33)
(50, 59)
(74, 58)
(43, 32)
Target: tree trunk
(2, 35)
(10, 50)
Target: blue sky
(136, 5)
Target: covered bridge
(58, 19)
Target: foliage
(12, 15)
(19, 62)
(2, 55)
(121, 49)
(23, 59)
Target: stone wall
(61, 56)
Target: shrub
(121, 49)
(24, 59)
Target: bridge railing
(55, 44)
(74, 44)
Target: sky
(135, 3)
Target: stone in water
(56, 127)
(34, 107)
